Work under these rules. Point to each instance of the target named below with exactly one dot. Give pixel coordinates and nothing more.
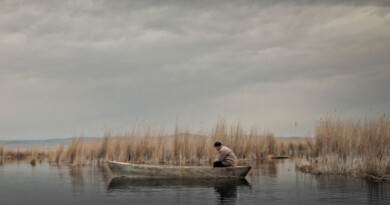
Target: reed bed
(1, 150)
(155, 147)
(357, 147)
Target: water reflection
(270, 182)
(267, 168)
(77, 178)
(377, 191)
(226, 189)
(339, 187)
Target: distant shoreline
(43, 142)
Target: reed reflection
(266, 168)
(77, 179)
(365, 191)
(377, 192)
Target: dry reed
(155, 147)
(1, 151)
(356, 147)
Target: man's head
(217, 145)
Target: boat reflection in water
(226, 189)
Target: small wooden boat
(165, 171)
(278, 157)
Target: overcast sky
(82, 67)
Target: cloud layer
(82, 67)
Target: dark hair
(217, 144)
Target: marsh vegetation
(356, 147)
(155, 147)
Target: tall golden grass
(1, 151)
(358, 147)
(155, 147)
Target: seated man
(226, 156)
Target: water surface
(276, 182)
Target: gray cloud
(85, 66)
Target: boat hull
(156, 171)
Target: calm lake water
(275, 182)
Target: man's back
(227, 157)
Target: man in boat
(226, 156)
